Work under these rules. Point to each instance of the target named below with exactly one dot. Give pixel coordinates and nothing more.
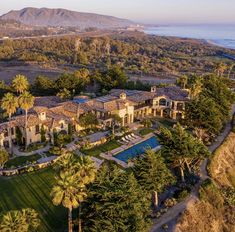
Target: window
(6, 133)
(180, 106)
(162, 102)
(12, 131)
(61, 125)
(37, 129)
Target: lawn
(32, 190)
(166, 122)
(22, 160)
(96, 151)
(145, 131)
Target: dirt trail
(175, 211)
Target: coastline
(211, 42)
(223, 37)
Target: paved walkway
(175, 211)
(39, 151)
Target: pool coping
(111, 156)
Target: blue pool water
(137, 149)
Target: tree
(152, 173)
(19, 137)
(31, 218)
(25, 220)
(20, 83)
(116, 202)
(216, 88)
(113, 77)
(61, 139)
(204, 113)
(64, 94)
(69, 190)
(220, 69)
(12, 221)
(88, 120)
(181, 148)
(196, 88)
(116, 121)
(147, 123)
(183, 81)
(9, 104)
(43, 134)
(230, 69)
(87, 172)
(26, 102)
(83, 170)
(43, 86)
(4, 156)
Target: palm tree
(83, 169)
(26, 101)
(31, 218)
(9, 104)
(25, 220)
(12, 221)
(87, 172)
(68, 191)
(20, 83)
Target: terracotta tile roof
(48, 101)
(173, 92)
(107, 103)
(39, 109)
(135, 96)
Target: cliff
(215, 211)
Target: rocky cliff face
(222, 167)
(213, 212)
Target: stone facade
(53, 115)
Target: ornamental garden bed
(22, 161)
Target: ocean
(221, 35)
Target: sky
(144, 11)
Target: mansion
(54, 115)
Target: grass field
(96, 151)
(146, 131)
(33, 191)
(21, 161)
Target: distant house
(54, 115)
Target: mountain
(65, 18)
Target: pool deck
(110, 155)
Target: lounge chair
(127, 138)
(134, 136)
(123, 140)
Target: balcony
(142, 106)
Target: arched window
(162, 102)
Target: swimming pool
(138, 149)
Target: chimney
(153, 89)
(123, 96)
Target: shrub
(208, 192)
(182, 195)
(170, 202)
